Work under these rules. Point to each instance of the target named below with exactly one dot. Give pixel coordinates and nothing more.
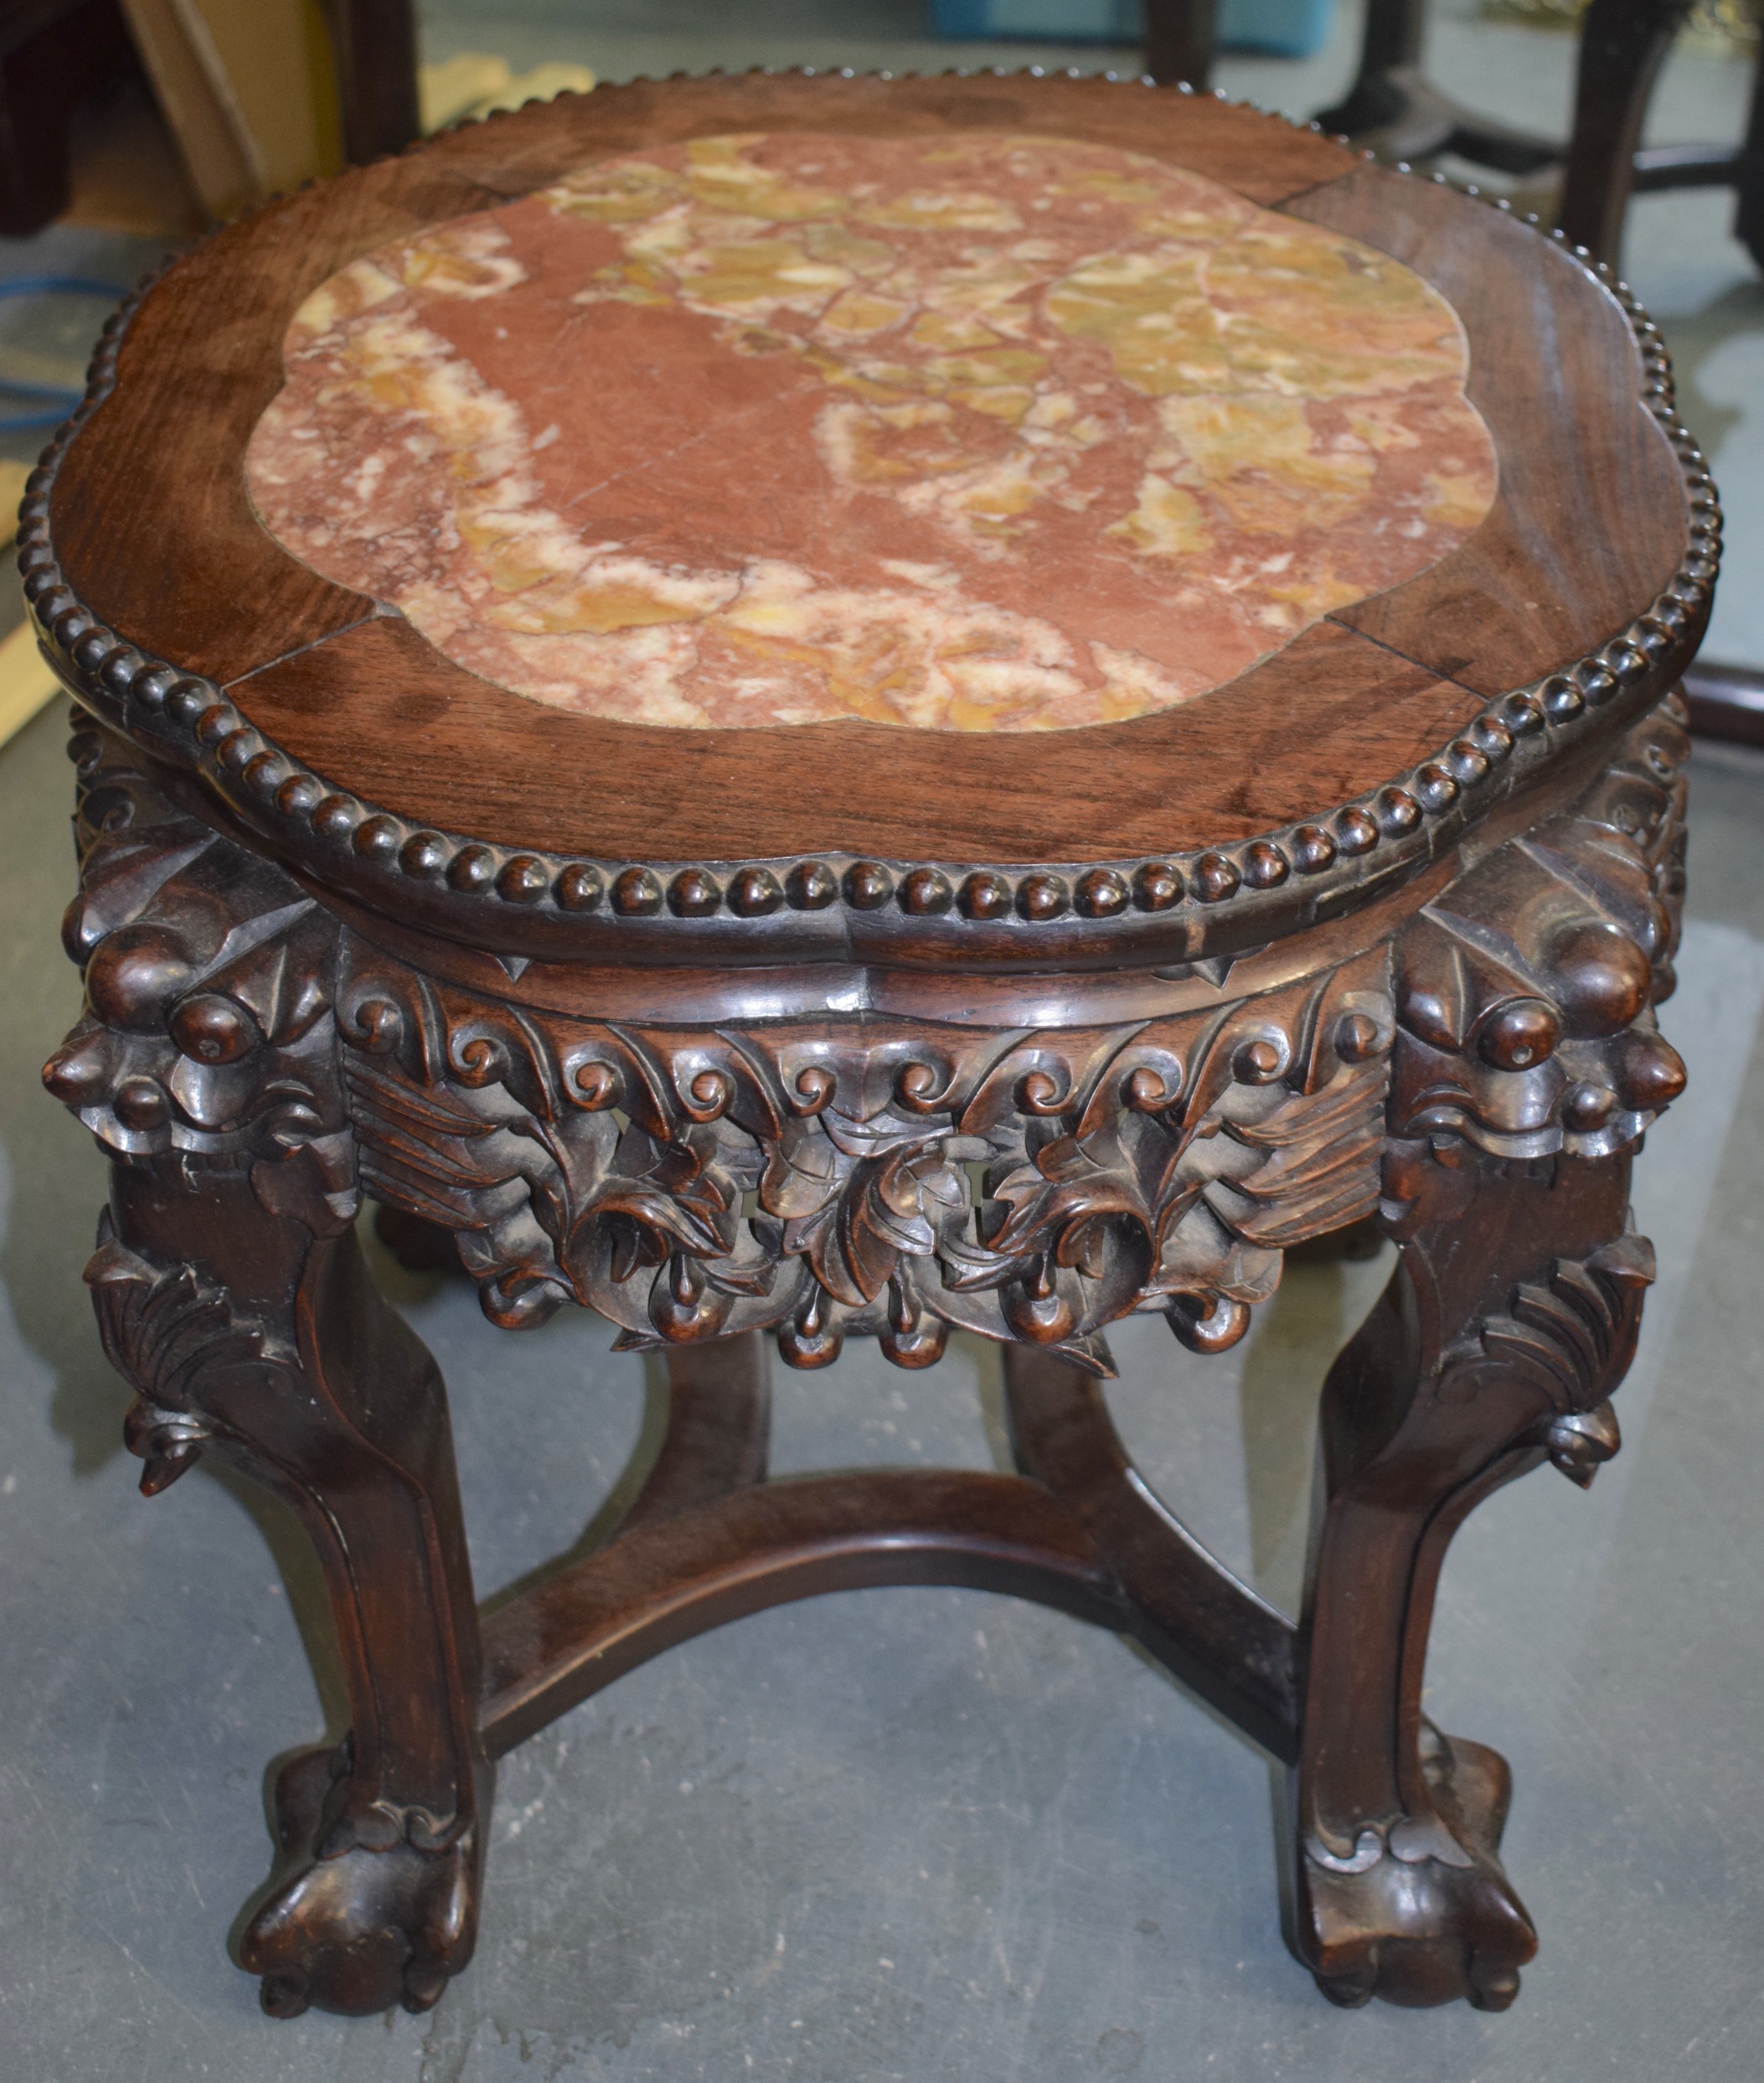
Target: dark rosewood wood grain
(1305, 788)
(1073, 969)
(874, 1097)
(1328, 718)
(718, 1430)
(1262, 156)
(1590, 516)
(163, 470)
(873, 978)
(1212, 1632)
(253, 1066)
(1284, 741)
(562, 1642)
(1513, 1312)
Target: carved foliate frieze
(818, 1178)
(860, 1175)
(865, 1174)
(1525, 995)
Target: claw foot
(1420, 1912)
(354, 1925)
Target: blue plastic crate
(1286, 28)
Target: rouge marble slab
(979, 433)
(1334, 769)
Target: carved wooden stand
(252, 1067)
(1378, 927)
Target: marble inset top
(969, 432)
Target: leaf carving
(817, 1177)
(1572, 1341)
(164, 1329)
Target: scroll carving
(1526, 1034)
(254, 1067)
(1481, 1358)
(823, 1178)
(207, 1051)
(251, 1068)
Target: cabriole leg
(244, 1334)
(233, 1297)
(1511, 1317)
(1528, 1062)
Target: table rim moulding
(1185, 907)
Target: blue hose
(57, 400)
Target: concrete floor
(921, 1834)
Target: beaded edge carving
(1352, 851)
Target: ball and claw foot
(1487, 1986)
(1426, 1915)
(360, 1930)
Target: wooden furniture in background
(1395, 110)
(53, 54)
(845, 1028)
(258, 96)
(249, 90)
(374, 45)
(1623, 43)
(1181, 38)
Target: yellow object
(26, 682)
(474, 83)
(248, 89)
(12, 491)
(1731, 25)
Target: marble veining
(967, 431)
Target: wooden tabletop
(1094, 674)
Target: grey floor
(920, 1834)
